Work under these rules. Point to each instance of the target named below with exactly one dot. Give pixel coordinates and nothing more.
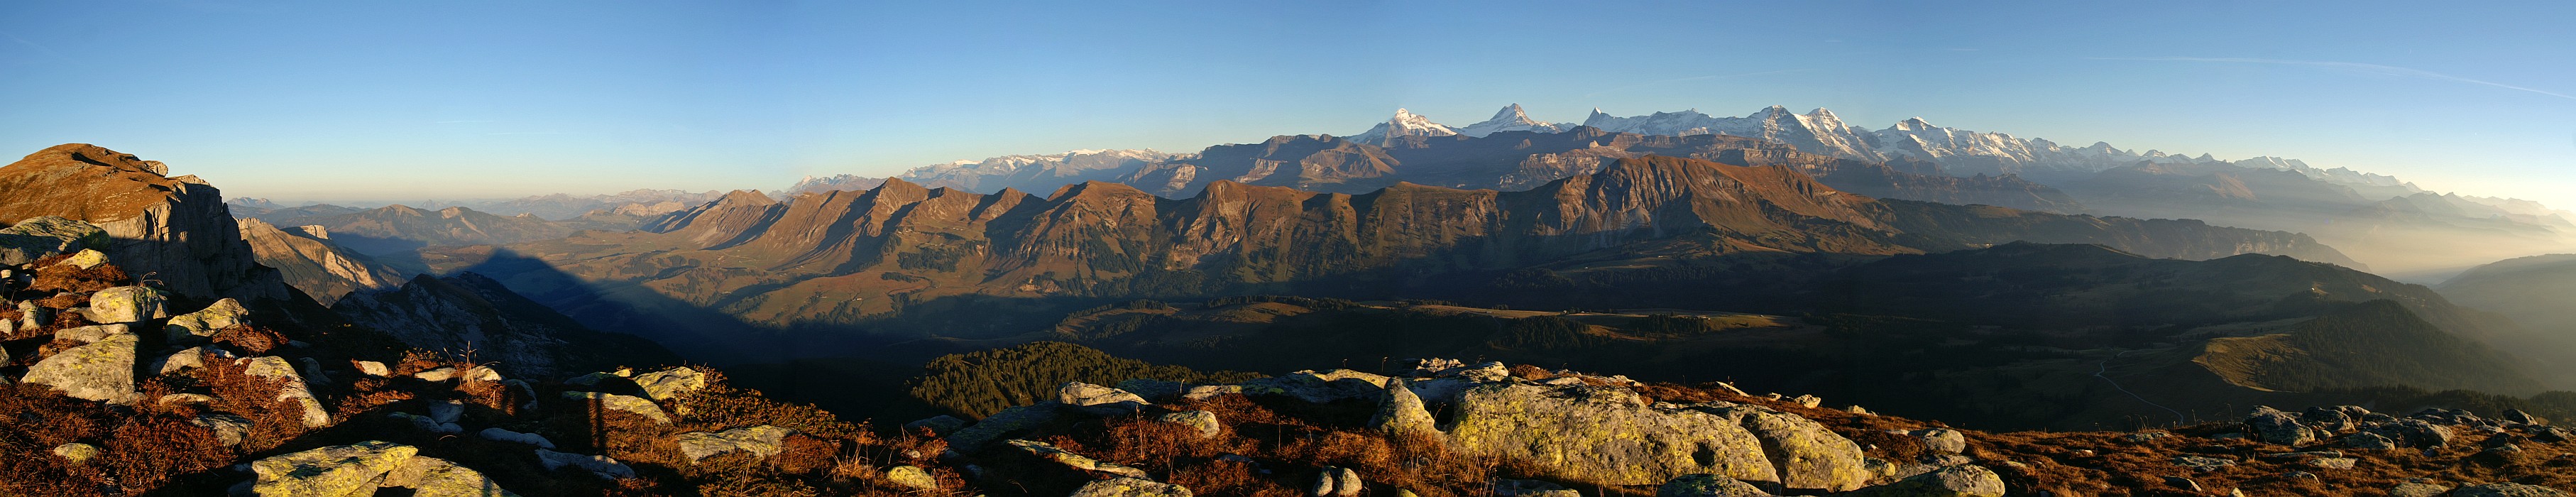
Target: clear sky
(467, 99)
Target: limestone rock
(1402, 413)
(175, 229)
(439, 375)
(670, 384)
(2506, 490)
(276, 367)
(434, 477)
(76, 452)
(1336, 481)
(1808, 456)
(1049, 452)
(47, 236)
(1706, 485)
(1203, 421)
(1604, 434)
(126, 304)
(1129, 487)
(502, 435)
(330, 471)
(603, 466)
(372, 368)
(227, 427)
(912, 477)
(761, 441)
(628, 403)
(1963, 480)
(101, 371)
(205, 322)
(89, 334)
(84, 259)
(1098, 399)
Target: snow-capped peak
(1405, 123)
(1511, 118)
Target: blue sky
(463, 99)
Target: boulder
(1531, 488)
(277, 368)
(434, 477)
(1326, 387)
(192, 357)
(32, 316)
(1335, 481)
(1098, 399)
(2278, 428)
(2369, 441)
(940, 425)
(227, 427)
(446, 411)
(1704, 485)
(627, 403)
(912, 477)
(1604, 434)
(1005, 424)
(1202, 421)
(761, 441)
(2506, 490)
(1942, 440)
(205, 322)
(76, 453)
(483, 373)
(2417, 433)
(671, 384)
(439, 375)
(2332, 420)
(1809, 456)
(2517, 416)
(330, 471)
(497, 434)
(1204, 392)
(601, 466)
(84, 259)
(1129, 487)
(185, 398)
(2417, 489)
(1963, 480)
(47, 236)
(371, 368)
(2203, 463)
(2333, 462)
(126, 304)
(1402, 413)
(425, 424)
(1049, 452)
(90, 334)
(101, 371)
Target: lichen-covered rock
(671, 384)
(1808, 456)
(627, 403)
(1942, 439)
(2417, 489)
(84, 259)
(2279, 428)
(434, 477)
(2369, 441)
(76, 452)
(1963, 480)
(330, 471)
(101, 371)
(761, 441)
(89, 334)
(1402, 413)
(2416, 433)
(1325, 387)
(1204, 392)
(205, 322)
(1202, 421)
(498, 434)
(1336, 481)
(1708, 486)
(47, 236)
(912, 477)
(2506, 490)
(1531, 488)
(1049, 452)
(602, 466)
(1129, 487)
(126, 304)
(278, 368)
(1604, 434)
(184, 359)
(1098, 399)
(227, 427)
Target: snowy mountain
(1034, 172)
(1511, 119)
(1405, 123)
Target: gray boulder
(101, 371)
(2369, 441)
(1335, 481)
(1099, 399)
(1202, 421)
(671, 384)
(2278, 428)
(1402, 413)
(1531, 488)
(126, 304)
(1942, 439)
(330, 471)
(88, 334)
(502, 435)
(761, 441)
(626, 403)
(1963, 480)
(227, 427)
(277, 368)
(1708, 486)
(1130, 487)
(1320, 388)
(1809, 456)
(1604, 434)
(601, 466)
(2506, 490)
(1050, 453)
(205, 322)
(2417, 489)
(2517, 416)
(434, 477)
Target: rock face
(308, 260)
(46, 236)
(468, 310)
(101, 371)
(176, 229)
(1604, 434)
(761, 441)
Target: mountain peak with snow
(1405, 123)
(1511, 118)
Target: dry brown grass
(52, 278)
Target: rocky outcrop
(469, 311)
(307, 258)
(759, 441)
(1954, 481)
(1604, 434)
(1130, 487)
(46, 236)
(175, 229)
(362, 468)
(200, 325)
(293, 388)
(623, 403)
(671, 384)
(101, 371)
